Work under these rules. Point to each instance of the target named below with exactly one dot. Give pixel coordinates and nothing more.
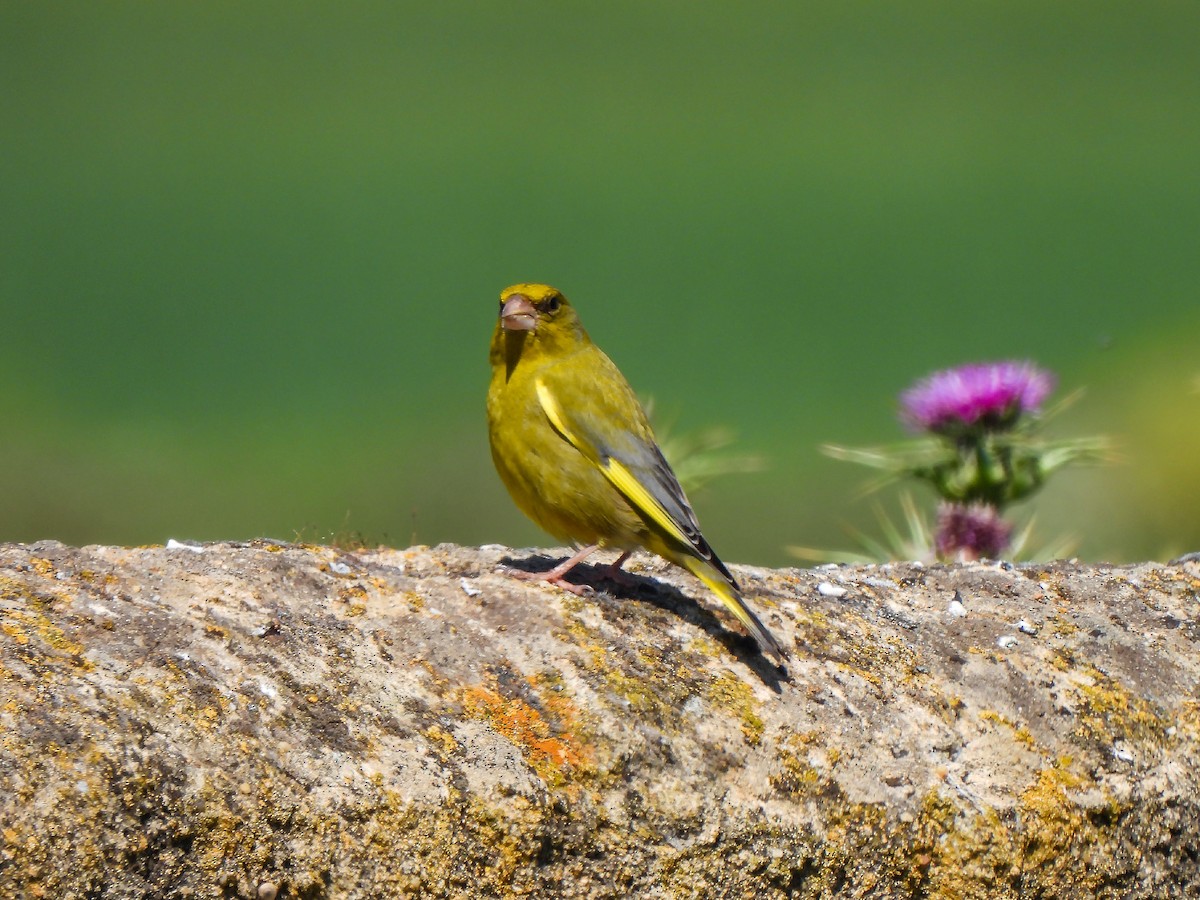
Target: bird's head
(529, 307)
(535, 320)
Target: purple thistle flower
(990, 394)
(970, 532)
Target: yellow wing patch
(625, 482)
(554, 413)
(614, 470)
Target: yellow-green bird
(574, 448)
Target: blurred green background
(250, 252)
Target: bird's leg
(556, 576)
(619, 575)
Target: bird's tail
(732, 598)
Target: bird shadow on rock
(630, 586)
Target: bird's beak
(518, 314)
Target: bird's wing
(612, 432)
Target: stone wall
(269, 720)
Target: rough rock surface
(269, 720)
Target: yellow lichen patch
(706, 646)
(1061, 659)
(870, 677)
(1021, 734)
(959, 853)
(1060, 627)
(43, 567)
(798, 776)
(352, 592)
(587, 642)
(1160, 578)
(444, 742)
(864, 653)
(1047, 797)
(814, 625)
(31, 621)
(355, 597)
(438, 681)
(1110, 712)
(549, 754)
(1056, 824)
(732, 694)
(1025, 736)
(1189, 717)
(641, 695)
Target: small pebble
(267, 891)
(825, 589)
(1006, 642)
(1026, 627)
(339, 568)
(956, 608)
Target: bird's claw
(549, 578)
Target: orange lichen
(547, 752)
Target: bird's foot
(616, 574)
(552, 579)
(557, 575)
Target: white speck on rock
(173, 544)
(1123, 753)
(339, 568)
(469, 589)
(956, 608)
(1006, 641)
(825, 589)
(1027, 627)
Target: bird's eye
(552, 303)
